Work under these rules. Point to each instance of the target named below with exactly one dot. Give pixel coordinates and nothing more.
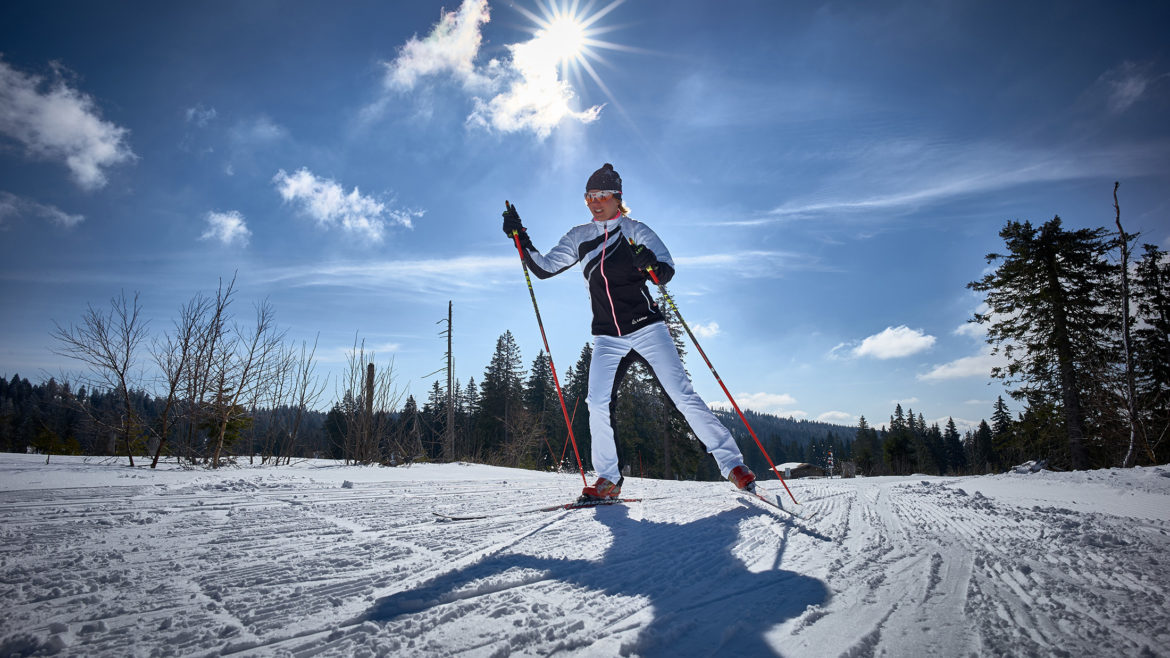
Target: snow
(316, 558)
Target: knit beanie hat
(605, 179)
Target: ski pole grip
(649, 268)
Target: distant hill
(788, 439)
(789, 430)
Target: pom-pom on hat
(605, 179)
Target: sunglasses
(600, 195)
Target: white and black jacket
(621, 301)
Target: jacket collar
(609, 224)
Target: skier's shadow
(703, 598)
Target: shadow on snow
(702, 597)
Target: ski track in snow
(298, 561)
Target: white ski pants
(655, 345)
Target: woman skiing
(616, 251)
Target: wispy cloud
(331, 206)
(1126, 85)
(200, 116)
(523, 92)
(59, 123)
(423, 277)
(756, 263)
(257, 131)
(342, 353)
(14, 206)
(904, 175)
(890, 343)
(228, 228)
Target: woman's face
(603, 207)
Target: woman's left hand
(644, 258)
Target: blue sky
(828, 176)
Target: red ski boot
(603, 489)
(743, 478)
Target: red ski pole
(677, 314)
(552, 367)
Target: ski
(796, 520)
(772, 501)
(577, 504)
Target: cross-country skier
(627, 323)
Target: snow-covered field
(100, 559)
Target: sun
(564, 37)
(567, 34)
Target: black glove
(644, 258)
(512, 225)
(512, 222)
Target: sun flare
(567, 34)
(564, 38)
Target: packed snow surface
(316, 558)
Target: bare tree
(1130, 395)
(305, 393)
(240, 369)
(209, 335)
(108, 343)
(293, 389)
(173, 355)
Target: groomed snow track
(243, 562)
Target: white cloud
(979, 365)
(893, 343)
(450, 48)
(331, 206)
(15, 206)
(536, 98)
(771, 403)
(227, 227)
(56, 122)
(705, 330)
(838, 418)
(524, 92)
(974, 330)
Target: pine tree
(1047, 314)
(501, 395)
(1151, 290)
(982, 460)
(540, 398)
(897, 447)
(576, 390)
(866, 449)
(953, 444)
